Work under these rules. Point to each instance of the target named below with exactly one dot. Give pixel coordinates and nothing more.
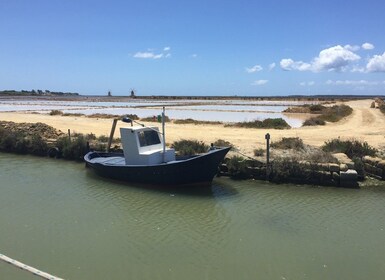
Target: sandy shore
(364, 124)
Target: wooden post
(267, 137)
(69, 134)
(111, 134)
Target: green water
(59, 217)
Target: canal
(61, 218)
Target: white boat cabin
(144, 146)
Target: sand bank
(364, 124)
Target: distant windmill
(109, 93)
(132, 93)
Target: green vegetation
(21, 143)
(382, 108)
(314, 121)
(286, 169)
(329, 114)
(222, 143)
(74, 148)
(73, 114)
(189, 147)
(352, 148)
(56, 113)
(288, 143)
(36, 92)
(237, 167)
(192, 121)
(259, 152)
(277, 123)
(155, 119)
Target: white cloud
(150, 54)
(146, 55)
(255, 68)
(367, 46)
(271, 66)
(353, 83)
(289, 64)
(194, 55)
(376, 63)
(311, 83)
(336, 58)
(353, 48)
(259, 82)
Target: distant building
(132, 94)
(109, 93)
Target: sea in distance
(59, 217)
(234, 110)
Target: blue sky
(246, 48)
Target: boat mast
(164, 137)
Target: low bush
(20, 143)
(382, 108)
(155, 119)
(73, 114)
(192, 121)
(288, 143)
(352, 148)
(73, 149)
(56, 112)
(277, 123)
(237, 167)
(314, 121)
(259, 152)
(336, 113)
(222, 143)
(189, 147)
(285, 169)
(103, 138)
(316, 108)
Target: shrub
(317, 108)
(189, 147)
(237, 167)
(222, 143)
(277, 123)
(74, 149)
(39, 146)
(314, 121)
(155, 119)
(259, 152)
(192, 121)
(91, 136)
(285, 169)
(352, 148)
(56, 112)
(382, 108)
(288, 143)
(103, 138)
(336, 113)
(319, 156)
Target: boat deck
(109, 160)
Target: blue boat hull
(195, 170)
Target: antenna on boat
(164, 136)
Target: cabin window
(148, 138)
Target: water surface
(61, 218)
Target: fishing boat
(146, 160)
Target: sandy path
(364, 124)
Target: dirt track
(365, 124)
